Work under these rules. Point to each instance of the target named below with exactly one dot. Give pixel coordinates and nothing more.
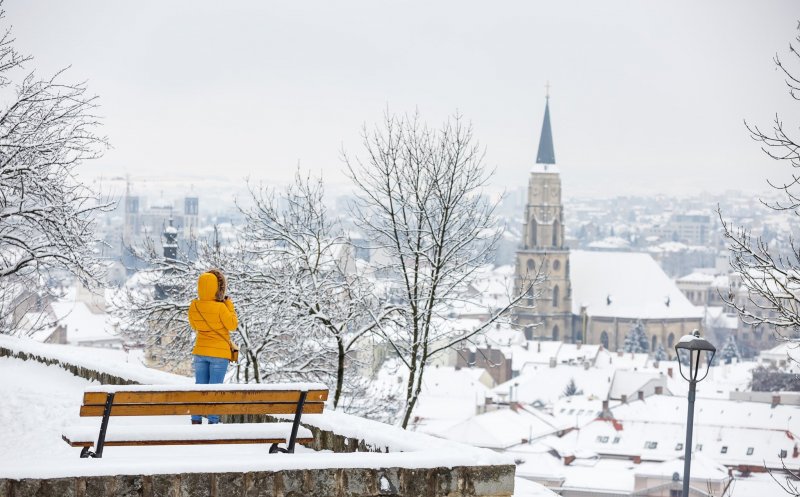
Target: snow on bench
(248, 433)
(170, 400)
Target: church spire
(546, 154)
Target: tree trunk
(339, 372)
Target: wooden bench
(176, 400)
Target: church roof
(546, 153)
(626, 285)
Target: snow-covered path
(37, 401)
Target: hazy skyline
(644, 99)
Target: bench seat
(135, 435)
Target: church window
(670, 341)
(555, 333)
(531, 265)
(533, 227)
(653, 344)
(555, 234)
(556, 265)
(555, 296)
(604, 339)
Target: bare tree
(771, 278)
(312, 272)
(47, 216)
(421, 203)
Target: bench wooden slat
(195, 397)
(184, 434)
(201, 409)
(191, 442)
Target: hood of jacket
(207, 287)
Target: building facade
(546, 311)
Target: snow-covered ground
(40, 400)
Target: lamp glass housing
(695, 355)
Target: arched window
(555, 296)
(670, 341)
(604, 339)
(555, 333)
(529, 295)
(531, 265)
(556, 265)
(556, 233)
(533, 227)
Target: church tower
(543, 251)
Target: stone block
(413, 482)
(129, 486)
(100, 486)
(229, 485)
(388, 482)
(321, 482)
(166, 486)
(289, 483)
(61, 487)
(260, 484)
(487, 481)
(196, 484)
(361, 482)
(5, 485)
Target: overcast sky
(646, 96)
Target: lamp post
(691, 348)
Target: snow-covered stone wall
(487, 481)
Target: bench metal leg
(101, 439)
(301, 402)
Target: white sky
(646, 96)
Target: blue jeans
(209, 370)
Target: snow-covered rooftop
(625, 285)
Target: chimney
(624, 399)
(605, 413)
(568, 460)
(578, 344)
(636, 459)
(659, 390)
(641, 395)
(776, 400)
(669, 372)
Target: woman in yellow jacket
(213, 317)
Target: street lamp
(691, 348)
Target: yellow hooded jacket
(213, 320)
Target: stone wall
(88, 373)
(483, 481)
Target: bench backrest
(199, 402)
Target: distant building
(590, 296)
(543, 250)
